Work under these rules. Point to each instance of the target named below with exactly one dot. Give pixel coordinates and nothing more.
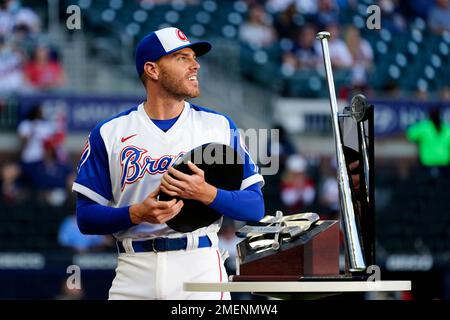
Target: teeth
(193, 78)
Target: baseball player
(126, 163)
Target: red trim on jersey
(220, 271)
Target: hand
(355, 177)
(188, 186)
(154, 211)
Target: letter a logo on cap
(181, 35)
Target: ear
(152, 70)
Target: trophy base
(313, 254)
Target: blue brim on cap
(200, 48)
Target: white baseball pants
(155, 276)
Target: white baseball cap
(163, 42)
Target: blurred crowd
(294, 23)
(284, 24)
(44, 174)
(28, 62)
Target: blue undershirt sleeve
(94, 218)
(244, 205)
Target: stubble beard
(176, 87)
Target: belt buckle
(153, 246)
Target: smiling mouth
(193, 78)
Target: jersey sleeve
(93, 178)
(251, 170)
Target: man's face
(179, 74)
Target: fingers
(161, 205)
(169, 181)
(178, 174)
(172, 193)
(152, 204)
(194, 168)
(161, 216)
(155, 193)
(171, 187)
(175, 210)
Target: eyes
(185, 58)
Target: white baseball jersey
(125, 157)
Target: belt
(163, 244)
